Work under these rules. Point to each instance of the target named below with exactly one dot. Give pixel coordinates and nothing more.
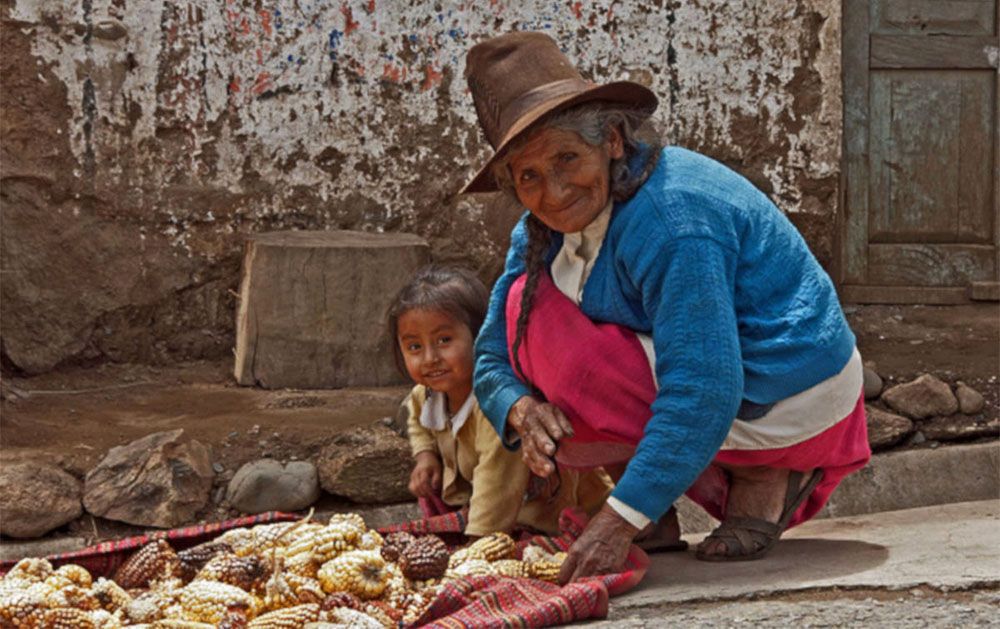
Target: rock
(885, 429)
(970, 401)
(37, 498)
(153, 481)
(873, 383)
(924, 397)
(367, 465)
(958, 427)
(267, 485)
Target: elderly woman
(657, 316)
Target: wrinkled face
(561, 179)
(437, 350)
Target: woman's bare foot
(754, 492)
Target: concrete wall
(142, 139)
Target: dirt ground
(72, 417)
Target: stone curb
(899, 480)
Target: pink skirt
(599, 376)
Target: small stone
(233, 434)
(959, 428)
(218, 467)
(873, 383)
(370, 465)
(916, 439)
(926, 396)
(254, 430)
(267, 485)
(970, 401)
(886, 429)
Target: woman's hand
(601, 549)
(540, 426)
(425, 479)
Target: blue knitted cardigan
(737, 306)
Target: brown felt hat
(518, 78)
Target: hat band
(532, 98)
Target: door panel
(921, 144)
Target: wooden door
(919, 219)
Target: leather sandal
(747, 539)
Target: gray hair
(593, 123)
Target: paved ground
(934, 566)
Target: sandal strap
(745, 536)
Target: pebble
(233, 434)
(218, 467)
(916, 439)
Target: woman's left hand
(601, 549)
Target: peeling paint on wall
(189, 124)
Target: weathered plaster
(182, 126)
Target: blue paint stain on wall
(456, 33)
(413, 39)
(334, 42)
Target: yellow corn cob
(360, 572)
(352, 520)
(207, 601)
(381, 616)
(544, 570)
(371, 540)
(148, 607)
(344, 616)
(110, 595)
(77, 575)
(176, 623)
(30, 569)
(510, 568)
(534, 553)
(302, 565)
(324, 544)
(73, 596)
(494, 546)
(288, 618)
(67, 618)
(22, 608)
(103, 619)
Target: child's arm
(425, 479)
(499, 480)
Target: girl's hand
(601, 549)
(540, 425)
(425, 479)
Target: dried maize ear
(544, 570)
(77, 575)
(462, 555)
(352, 520)
(103, 619)
(148, 607)
(22, 608)
(470, 568)
(73, 596)
(494, 547)
(154, 561)
(381, 616)
(67, 618)
(288, 618)
(360, 572)
(194, 559)
(31, 569)
(302, 565)
(510, 568)
(248, 573)
(207, 601)
(177, 623)
(534, 553)
(110, 595)
(352, 618)
(371, 540)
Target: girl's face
(437, 350)
(563, 180)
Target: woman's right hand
(540, 425)
(425, 479)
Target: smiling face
(437, 350)
(563, 180)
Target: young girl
(459, 458)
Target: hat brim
(632, 95)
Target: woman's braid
(539, 239)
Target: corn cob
(176, 623)
(510, 568)
(288, 618)
(324, 544)
(22, 608)
(156, 560)
(194, 559)
(494, 546)
(207, 601)
(148, 607)
(73, 596)
(110, 595)
(30, 569)
(247, 573)
(352, 520)
(360, 572)
(67, 618)
(341, 599)
(371, 540)
(425, 558)
(343, 616)
(375, 611)
(536, 553)
(302, 565)
(234, 618)
(544, 570)
(76, 575)
(472, 567)
(103, 619)
(462, 555)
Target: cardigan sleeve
(421, 439)
(499, 481)
(687, 289)
(496, 385)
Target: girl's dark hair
(453, 290)
(593, 123)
